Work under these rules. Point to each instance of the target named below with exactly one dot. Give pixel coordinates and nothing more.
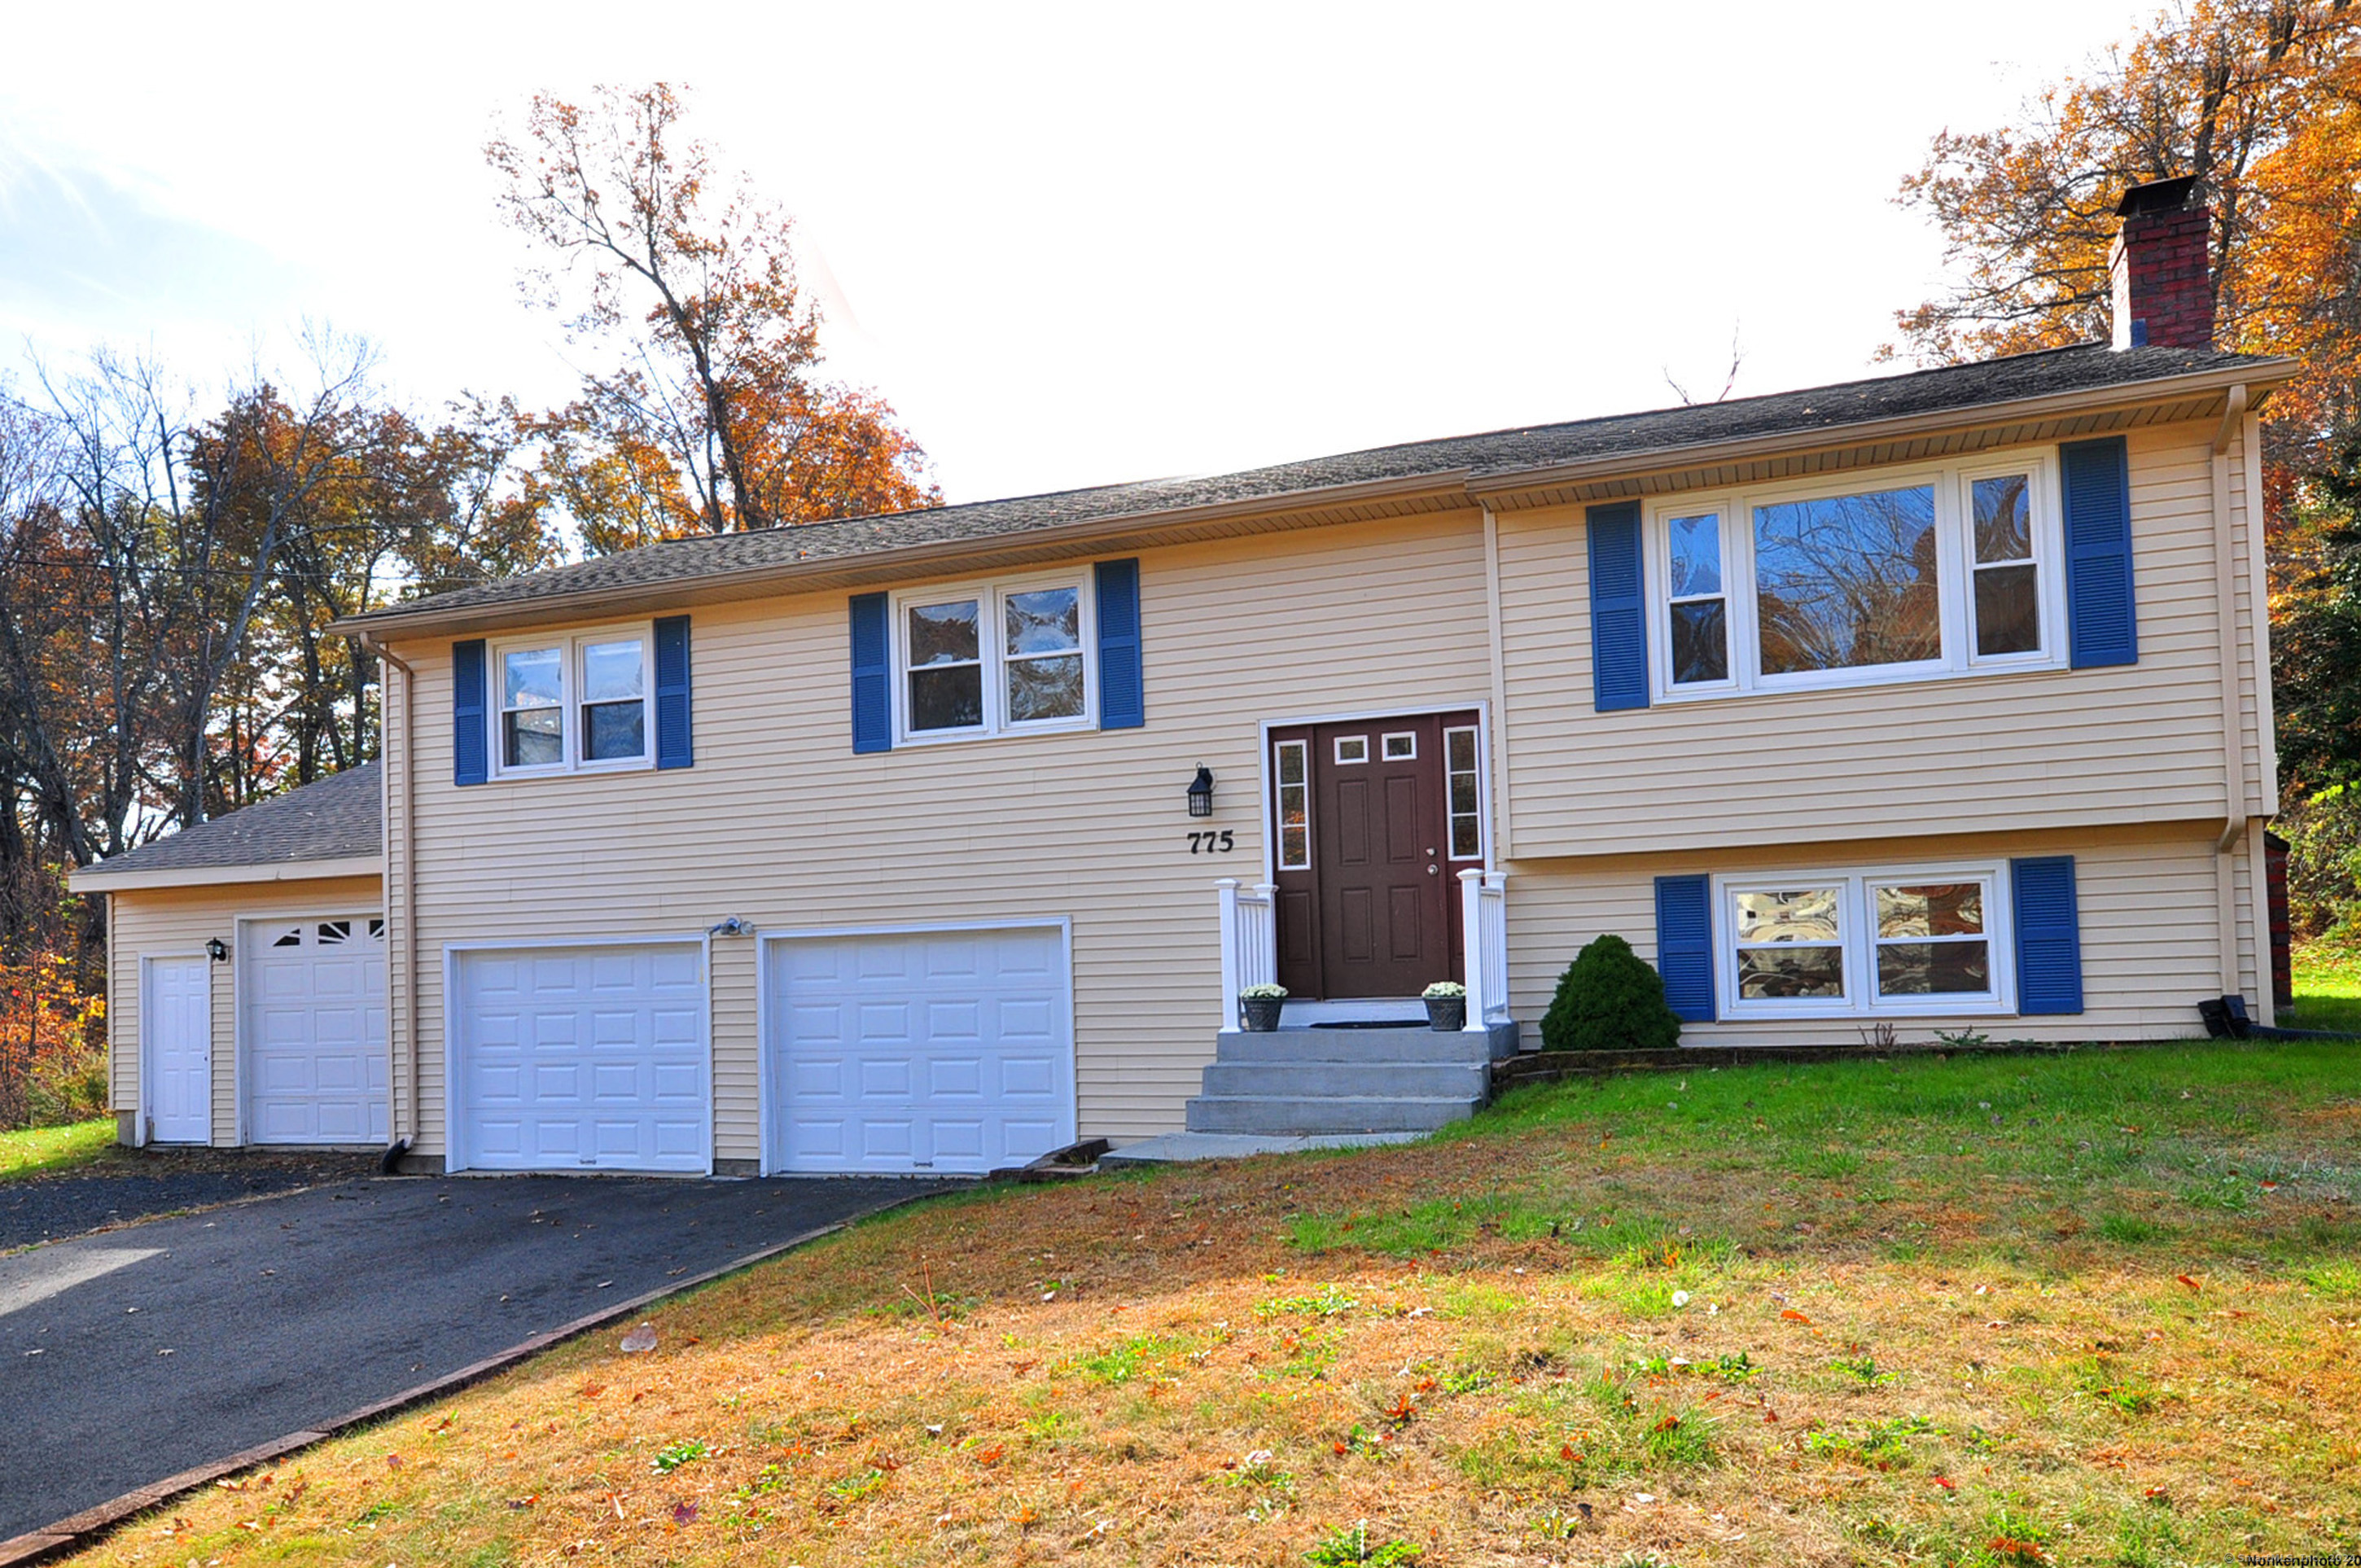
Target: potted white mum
(1258, 1007)
(1446, 1005)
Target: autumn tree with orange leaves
(716, 417)
(2260, 100)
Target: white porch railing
(1249, 941)
(1485, 901)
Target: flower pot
(1259, 1015)
(1444, 1014)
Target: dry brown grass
(1951, 1370)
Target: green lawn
(2100, 1309)
(40, 1149)
(2327, 989)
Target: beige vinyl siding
(781, 824)
(1981, 752)
(2151, 945)
(177, 922)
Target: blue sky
(1071, 245)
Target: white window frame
(570, 646)
(1951, 483)
(990, 596)
(1856, 927)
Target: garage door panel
(311, 1033)
(599, 1056)
(926, 1051)
(1027, 1141)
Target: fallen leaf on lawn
(1792, 1316)
(1946, 1483)
(524, 1502)
(393, 1461)
(2186, 1281)
(642, 1338)
(684, 1513)
(591, 1391)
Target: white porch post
(1484, 908)
(1249, 941)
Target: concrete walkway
(1183, 1146)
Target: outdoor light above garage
(217, 950)
(1200, 792)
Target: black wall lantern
(1200, 792)
(217, 950)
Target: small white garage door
(920, 1051)
(312, 1037)
(582, 1058)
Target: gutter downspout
(2233, 724)
(404, 1141)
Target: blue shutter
(674, 746)
(1123, 699)
(872, 676)
(1618, 611)
(2103, 625)
(1685, 946)
(470, 735)
(2049, 935)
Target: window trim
(991, 594)
(1857, 938)
(570, 644)
(1955, 564)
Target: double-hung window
(1004, 658)
(1863, 943)
(1891, 577)
(572, 703)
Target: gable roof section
(1488, 461)
(334, 827)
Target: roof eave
(892, 564)
(2259, 375)
(98, 879)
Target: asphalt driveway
(136, 1354)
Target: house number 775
(1211, 844)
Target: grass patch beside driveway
(36, 1151)
(2097, 1308)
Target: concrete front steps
(1304, 1080)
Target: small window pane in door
(1462, 797)
(1352, 748)
(1294, 805)
(1401, 747)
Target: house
(1936, 703)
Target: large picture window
(1929, 571)
(993, 660)
(1862, 943)
(572, 703)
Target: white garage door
(937, 1051)
(312, 1031)
(582, 1058)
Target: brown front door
(1365, 865)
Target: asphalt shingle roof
(2088, 368)
(338, 818)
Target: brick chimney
(2164, 288)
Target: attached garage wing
(589, 1057)
(940, 1051)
